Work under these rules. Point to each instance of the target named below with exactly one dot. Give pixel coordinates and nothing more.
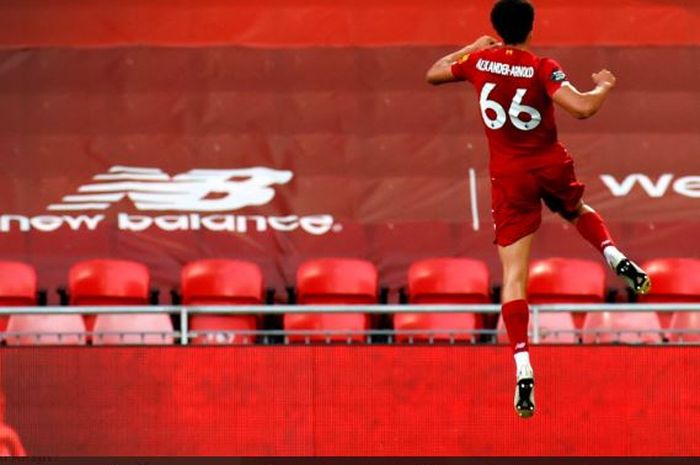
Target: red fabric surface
(313, 22)
(387, 157)
(350, 401)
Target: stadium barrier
(185, 334)
(290, 400)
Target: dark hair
(513, 20)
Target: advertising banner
(359, 401)
(167, 155)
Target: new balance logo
(198, 190)
(197, 200)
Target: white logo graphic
(215, 191)
(152, 189)
(686, 186)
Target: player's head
(513, 20)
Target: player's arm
(583, 105)
(441, 71)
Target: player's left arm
(583, 105)
(441, 71)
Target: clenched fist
(604, 77)
(485, 42)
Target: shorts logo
(204, 190)
(558, 76)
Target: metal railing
(185, 311)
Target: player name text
(504, 69)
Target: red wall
(351, 401)
(401, 149)
(345, 22)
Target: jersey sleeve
(552, 76)
(463, 69)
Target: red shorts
(516, 199)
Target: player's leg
(563, 194)
(516, 314)
(592, 227)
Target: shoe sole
(525, 391)
(645, 287)
(631, 272)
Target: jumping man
(528, 165)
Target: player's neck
(524, 46)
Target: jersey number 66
(516, 109)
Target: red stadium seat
(444, 281)
(638, 327)
(10, 442)
(222, 282)
(675, 280)
(333, 281)
(46, 329)
(562, 281)
(18, 286)
(117, 282)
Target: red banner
(350, 401)
(275, 23)
(277, 156)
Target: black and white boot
(525, 393)
(633, 274)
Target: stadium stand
(18, 283)
(622, 327)
(444, 281)
(333, 281)
(18, 286)
(560, 281)
(118, 282)
(676, 281)
(222, 282)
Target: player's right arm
(583, 105)
(441, 71)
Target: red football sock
(516, 316)
(593, 229)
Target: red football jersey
(515, 88)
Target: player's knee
(573, 215)
(570, 215)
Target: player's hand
(604, 77)
(484, 42)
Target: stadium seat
(46, 329)
(117, 282)
(10, 442)
(444, 281)
(675, 280)
(561, 281)
(333, 281)
(18, 286)
(608, 327)
(222, 282)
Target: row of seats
(343, 281)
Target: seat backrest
(46, 329)
(106, 325)
(634, 327)
(566, 280)
(448, 280)
(18, 284)
(108, 282)
(337, 280)
(221, 281)
(674, 280)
